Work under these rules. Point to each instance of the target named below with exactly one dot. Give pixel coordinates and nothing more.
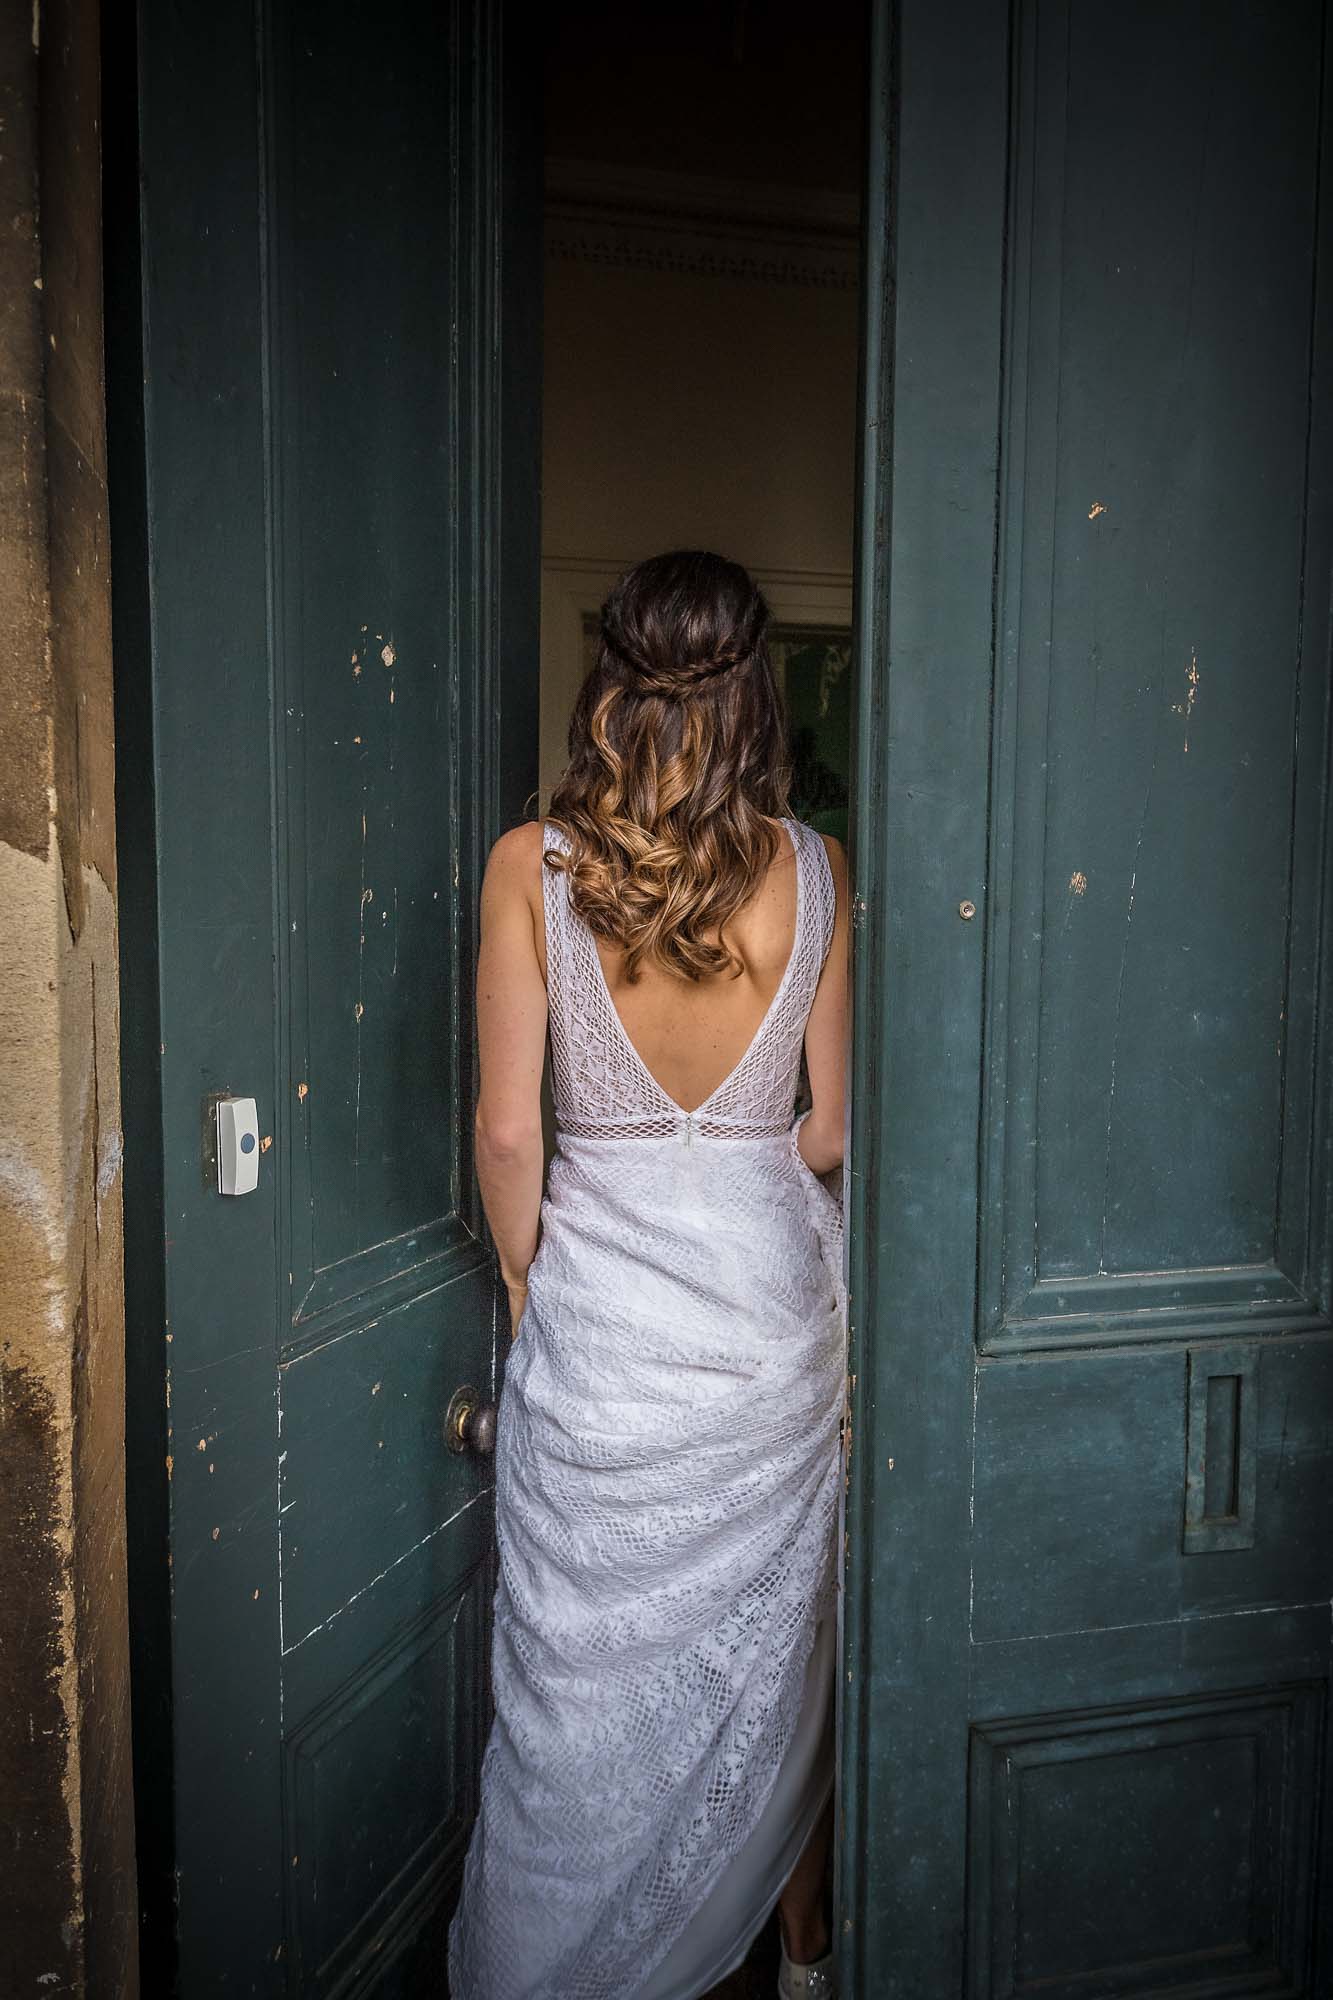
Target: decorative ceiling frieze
(637, 219)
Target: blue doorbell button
(238, 1145)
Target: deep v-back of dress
(666, 1504)
(791, 967)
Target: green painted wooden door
(1090, 1513)
(327, 646)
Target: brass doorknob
(469, 1422)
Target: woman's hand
(518, 1298)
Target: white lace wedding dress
(667, 1467)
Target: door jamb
(873, 487)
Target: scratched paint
(367, 896)
(1186, 707)
(439, 1529)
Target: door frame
(928, 446)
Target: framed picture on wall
(813, 668)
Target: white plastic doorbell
(238, 1145)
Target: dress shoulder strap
(555, 908)
(820, 901)
(562, 972)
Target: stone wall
(67, 1890)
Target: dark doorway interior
(703, 185)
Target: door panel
(1090, 1525)
(1215, 1901)
(1149, 614)
(339, 242)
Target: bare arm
(821, 1136)
(511, 1038)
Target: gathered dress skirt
(668, 1467)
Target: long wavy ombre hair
(678, 764)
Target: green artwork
(813, 668)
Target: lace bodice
(603, 1088)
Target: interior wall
(701, 309)
(690, 408)
(67, 1905)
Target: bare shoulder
(517, 849)
(513, 866)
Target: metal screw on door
(967, 908)
(469, 1423)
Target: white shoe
(817, 1981)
